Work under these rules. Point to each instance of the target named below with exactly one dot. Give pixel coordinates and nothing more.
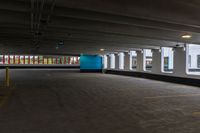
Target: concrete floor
(60, 101)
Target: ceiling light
(102, 49)
(186, 36)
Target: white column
(180, 60)
(105, 61)
(140, 61)
(121, 61)
(156, 61)
(127, 61)
(112, 61)
(117, 61)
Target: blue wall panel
(90, 63)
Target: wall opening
(35, 59)
(167, 58)
(148, 59)
(133, 60)
(193, 59)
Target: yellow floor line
(196, 113)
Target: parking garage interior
(98, 66)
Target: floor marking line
(173, 96)
(196, 114)
(6, 96)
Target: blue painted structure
(91, 63)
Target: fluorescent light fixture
(102, 49)
(186, 36)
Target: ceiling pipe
(51, 10)
(47, 20)
(37, 7)
(36, 15)
(40, 15)
(32, 14)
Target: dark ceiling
(85, 26)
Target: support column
(127, 61)
(105, 61)
(180, 61)
(108, 62)
(117, 61)
(140, 61)
(156, 63)
(112, 61)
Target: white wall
(180, 61)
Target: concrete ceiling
(37, 26)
